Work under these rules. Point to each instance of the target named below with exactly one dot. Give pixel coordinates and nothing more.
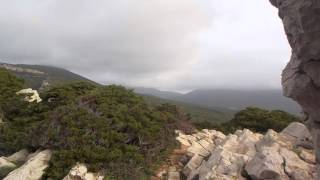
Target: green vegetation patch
(255, 119)
(109, 128)
(198, 114)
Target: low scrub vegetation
(109, 128)
(255, 119)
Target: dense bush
(255, 119)
(9, 101)
(12, 111)
(110, 129)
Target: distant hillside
(239, 99)
(157, 93)
(230, 99)
(37, 75)
(197, 113)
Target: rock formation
(33, 169)
(245, 155)
(301, 77)
(31, 95)
(80, 172)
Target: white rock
(295, 168)
(192, 165)
(272, 156)
(33, 169)
(298, 134)
(80, 172)
(31, 95)
(229, 158)
(297, 130)
(267, 164)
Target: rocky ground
(209, 154)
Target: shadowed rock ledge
(301, 77)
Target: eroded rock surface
(248, 155)
(301, 77)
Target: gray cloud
(168, 44)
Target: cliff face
(301, 77)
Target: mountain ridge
(37, 76)
(232, 99)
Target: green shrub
(109, 128)
(255, 119)
(9, 102)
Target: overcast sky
(167, 44)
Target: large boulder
(267, 164)
(298, 134)
(301, 77)
(33, 169)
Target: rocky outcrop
(301, 77)
(33, 169)
(30, 95)
(245, 155)
(80, 172)
(8, 164)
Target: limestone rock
(301, 77)
(31, 95)
(246, 154)
(229, 158)
(33, 169)
(80, 172)
(267, 164)
(296, 168)
(298, 134)
(199, 146)
(192, 165)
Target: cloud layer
(167, 44)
